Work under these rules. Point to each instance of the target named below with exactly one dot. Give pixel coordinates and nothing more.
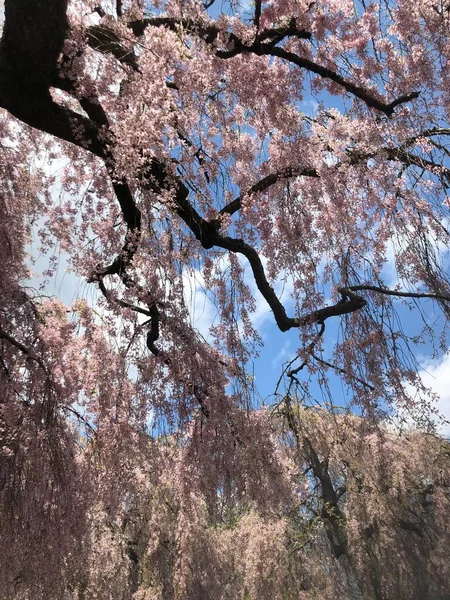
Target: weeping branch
(29, 353)
(343, 372)
(104, 40)
(264, 184)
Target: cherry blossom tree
(367, 520)
(152, 143)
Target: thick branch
(368, 97)
(107, 41)
(207, 233)
(408, 158)
(32, 39)
(209, 32)
(257, 15)
(277, 34)
(33, 105)
(131, 213)
(331, 513)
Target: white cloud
(395, 246)
(284, 352)
(435, 374)
(201, 309)
(389, 271)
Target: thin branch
(427, 133)
(80, 418)
(23, 349)
(107, 294)
(368, 97)
(264, 184)
(291, 373)
(387, 292)
(342, 371)
(105, 40)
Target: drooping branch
(198, 390)
(29, 353)
(309, 350)
(80, 418)
(104, 40)
(343, 372)
(264, 184)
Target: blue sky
(278, 347)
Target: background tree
(183, 145)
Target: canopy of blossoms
(149, 143)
